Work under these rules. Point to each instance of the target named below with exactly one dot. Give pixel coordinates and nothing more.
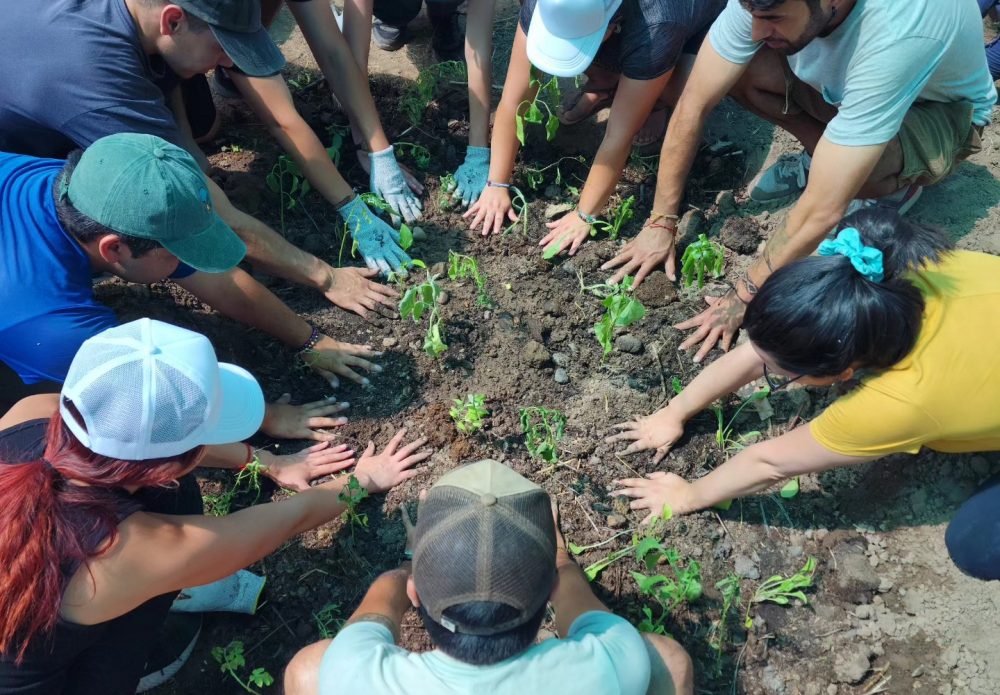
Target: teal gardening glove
(387, 180)
(377, 241)
(470, 178)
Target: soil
(887, 611)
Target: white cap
(149, 390)
(565, 35)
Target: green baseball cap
(144, 187)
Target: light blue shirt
(886, 55)
(602, 655)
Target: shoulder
(363, 653)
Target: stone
(551, 308)
(980, 466)
(949, 658)
(725, 202)
(444, 297)
(854, 579)
(772, 681)
(741, 234)
(534, 354)
(616, 521)
(912, 603)
(418, 233)
(746, 568)
(559, 335)
(689, 225)
(561, 376)
(629, 343)
(918, 501)
(557, 209)
(851, 665)
(560, 359)
(390, 342)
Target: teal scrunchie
(866, 260)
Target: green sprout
(468, 414)
(248, 478)
(724, 430)
(328, 620)
(621, 309)
(445, 199)
(719, 634)
(681, 585)
(520, 206)
(287, 180)
(420, 154)
(545, 96)
(461, 267)
(352, 495)
(423, 299)
(620, 216)
(702, 257)
(419, 95)
(535, 176)
(543, 430)
(781, 590)
(231, 660)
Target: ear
(411, 592)
(171, 18)
(846, 375)
(112, 249)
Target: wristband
(589, 219)
(339, 205)
(314, 338)
(496, 184)
(654, 216)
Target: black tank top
(106, 658)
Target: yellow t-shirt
(946, 393)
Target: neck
(147, 21)
(843, 8)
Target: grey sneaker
(388, 38)
(785, 177)
(900, 201)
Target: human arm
(386, 601)
(634, 100)
(754, 469)
(493, 209)
(572, 596)
(290, 471)
(37, 407)
(184, 136)
(663, 428)
(711, 79)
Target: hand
(642, 255)
(381, 472)
(386, 179)
(306, 421)
(296, 471)
(366, 166)
(659, 490)
(330, 358)
(377, 241)
(350, 289)
(721, 320)
(658, 431)
(491, 209)
(569, 230)
(471, 176)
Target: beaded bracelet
(314, 338)
(497, 184)
(344, 201)
(589, 219)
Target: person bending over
(888, 301)
(487, 559)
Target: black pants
(973, 536)
(399, 13)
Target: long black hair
(819, 315)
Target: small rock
(864, 612)
(746, 568)
(689, 225)
(772, 681)
(438, 268)
(851, 665)
(561, 376)
(854, 579)
(389, 342)
(912, 603)
(559, 335)
(616, 521)
(444, 297)
(741, 234)
(949, 658)
(918, 501)
(556, 209)
(534, 354)
(885, 585)
(560, 359)
(551, 308)
(621, 504)
(873, 560)
(726, 203)
(832, 689)
(629, 343)
(418, 233)
(487, 315)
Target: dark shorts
(934, 137)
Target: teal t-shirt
(601, 654)
(886, 55)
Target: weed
(328, 620)
(469, 414)
(546, 96)
(620, 309)
(420, 154)
(445, 199)
(231, 660)
(352, 495)
(423, 299)
(543, 430)
(681, 585)
(782, 590)
(419, 95)
(461, 267)
(702, 257)
(520, 205)
(720, 633)
(620, 215)
(247, 478)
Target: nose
(224, 60)
(760, 31)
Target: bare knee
(302, 672)
(676, 660)
(762, 86)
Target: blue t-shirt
(46, 281)
(73, 72)
(602, 654)
(885, 56)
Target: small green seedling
(328, 620)
(352, 495)
(520, 206)
(423, 299)
(546, 96)
(620, 216)
(535, 176)
(287, 180)
(420, 94)
(782, 590)
(469, 414)
(232, 661)
(446, 201)
(620, 309)
(702, 257)
(461, 267)
(543, 430)
(724, 431)
(669, 591)
(720, 633)
(338, 135)
(421, 155)
(248, 478)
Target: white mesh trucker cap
(148, 390)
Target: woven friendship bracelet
(497, 184)
(314, 338)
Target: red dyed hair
(48, 524)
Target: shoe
(447, 38)
(237, 593)
(785, 177)
(900, 201)
(222, 84)
(388, 38)
(174, 644)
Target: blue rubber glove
(470, 178)
(377, 241)
(387, 180)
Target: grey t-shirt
(654, 34)
(73, 72)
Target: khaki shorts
(934, 137)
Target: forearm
(386, 598)
(358, 30)
(572, 596)
(736, 368)
(478, 54)
(677, 156)
(503, 144)
(745, 474)
(184, 135)
(225, 456)
(604, 173)
(301, 143)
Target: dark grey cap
(236, 25)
